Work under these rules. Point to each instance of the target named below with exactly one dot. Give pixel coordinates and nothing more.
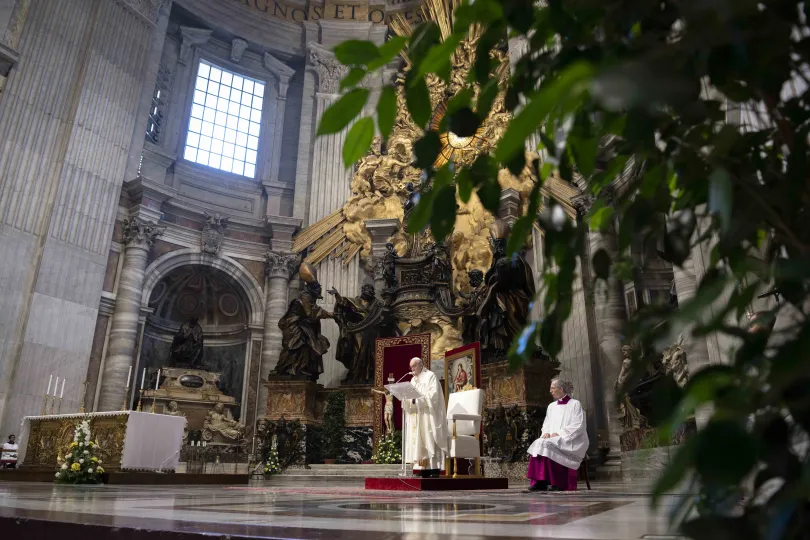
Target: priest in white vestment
(557, 454)
(425, 433)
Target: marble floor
(263, 510)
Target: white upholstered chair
(464, 424)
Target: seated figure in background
(557, 454)
(223, 428)
(172, 410)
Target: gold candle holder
(126, 397)
(139, 404)
(153, 406)
(59, 408)
(45, 406)
(53, 402)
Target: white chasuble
(565, 418)
(426, 424)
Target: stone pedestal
(293, 399)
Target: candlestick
(50, 380)
(53, 397)
(59, 408)
(45, 406)
(140, 397)
(143, 378)
(62, 392)
(126, 395)
(129, 374)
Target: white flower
(67, 456)
(81, 461)
(86, 452)
(90, 470)
(99, 462)
(64, 466)
(57, 475)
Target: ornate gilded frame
(379, 347)
(474, 378)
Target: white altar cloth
(152, 441)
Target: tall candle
(143, 378)
(56, 386)
(157, 382)
(129, 374)
(62, 393)
(50, 380)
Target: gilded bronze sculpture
(187, 345)
(302, 344)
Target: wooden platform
(436, 484)
(134, 478)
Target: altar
(127, 440)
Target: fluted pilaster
(278, 270)
(139, 236)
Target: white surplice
(426, 424)
(569, 447)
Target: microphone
(409, 373)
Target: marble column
(611, 316)
(139, 235)
(278, 270)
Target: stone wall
(66, 122)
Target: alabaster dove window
(226, 112)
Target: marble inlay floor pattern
(264, 511)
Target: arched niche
(225, 299)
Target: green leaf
(388, 51)
(520, 231)
(443, 217)
(420, 215)
(358, 141)
(725, 452)
(720, 196)
(463, 122)
(568, 86)
(676, 470)
(353, 78)
(464, 182)
(387, 111)
(343, 111)
(600, 216)
(426, 150)
(439, 58)
(490, 194)
(355, 52)
(601, 264)
(417, 98)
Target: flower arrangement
(388, 449)
(80, 466)
(271, 464)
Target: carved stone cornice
(330, 70)
(281, 264)
(141, 234)
(281, 71)
(192, 37)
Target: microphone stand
(404, 431)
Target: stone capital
(280, 264)
(380, 230)
(141, 234)
(282, 230)
(330, 70)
